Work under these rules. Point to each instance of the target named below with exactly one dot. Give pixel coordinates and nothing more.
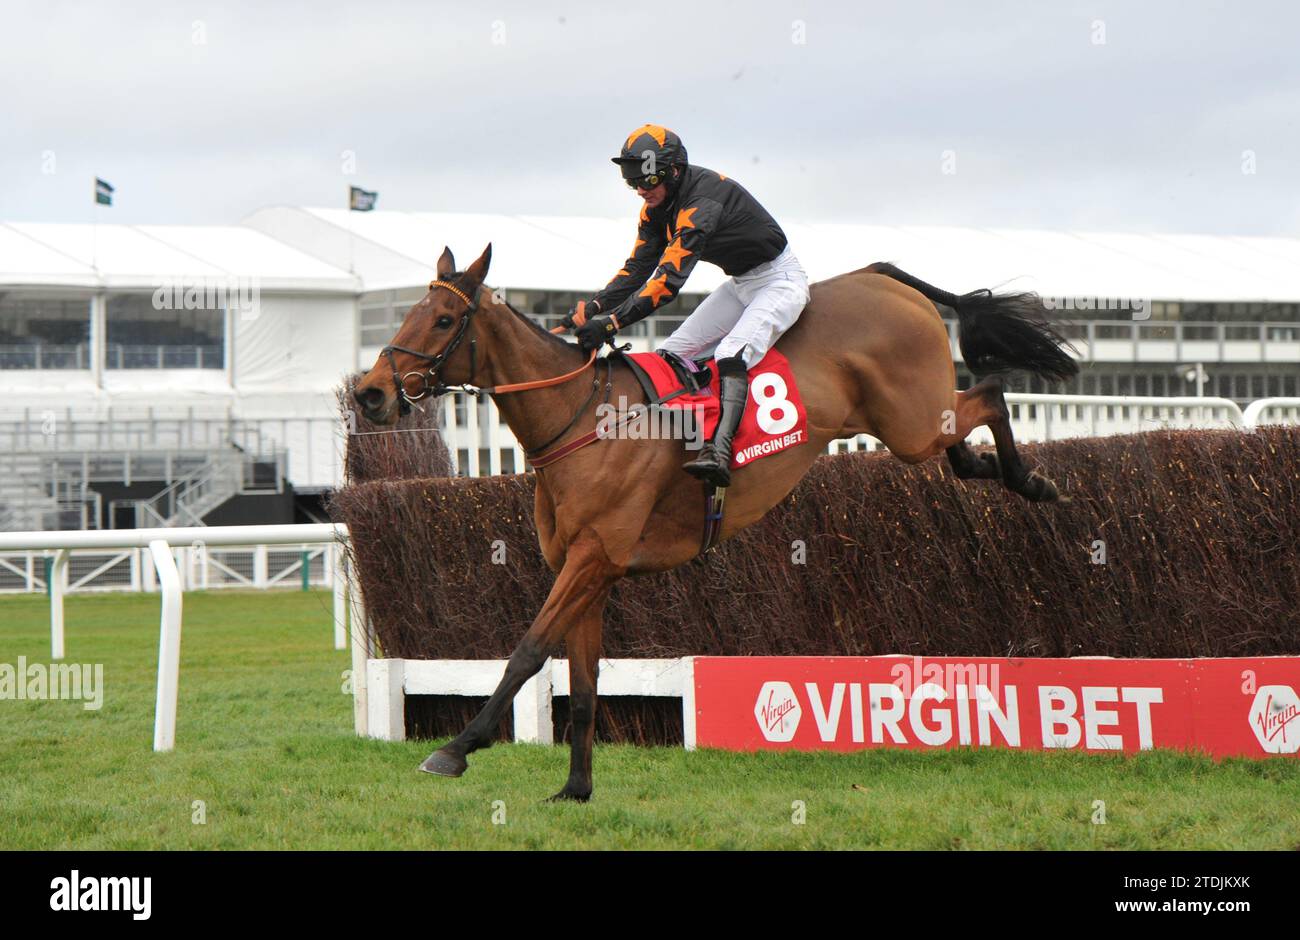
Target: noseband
(436, 362)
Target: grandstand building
(182, 374)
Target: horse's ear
(447, 263)
(477, 272)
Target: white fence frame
(159, 542)
(196, 568)
(1255, 412)
(390, 680)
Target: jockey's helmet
(648, 155)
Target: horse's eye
(443, 322)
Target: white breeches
(746, 315)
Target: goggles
(649, 181)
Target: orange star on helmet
(684, 218)
(654, 130)
(657, 289)
(674, 254)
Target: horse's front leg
(583, 584)
(583, 645)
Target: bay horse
(870, 355)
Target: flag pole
(352, 268)
(94, 230)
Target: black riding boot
(713, 465)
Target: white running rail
(160, 544)
(1272, 411)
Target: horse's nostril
(371, 399)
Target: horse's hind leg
(1015, 475)
(968, 465)
(975, 407)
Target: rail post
(54, 574)
(360, 652)
(169, 646)
(335, 561)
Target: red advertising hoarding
(1224, 707)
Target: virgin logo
(777, 711)
(1275, 719)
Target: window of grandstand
(142, 337)
(39, 331)
(382, 312)
(1123, 310)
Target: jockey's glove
(579, 314)
(596, 330)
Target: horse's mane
(537, 327)
(456, 277)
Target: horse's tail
(999, 333)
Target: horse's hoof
(444, 764)
(1038, 489)
(570, 796)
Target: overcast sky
(1144, 115)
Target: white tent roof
(141, 256)
(398, 249)
(313, 250)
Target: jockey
(692, 214)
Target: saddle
(774, 416)
(692, 376)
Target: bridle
(438, 360)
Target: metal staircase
(186, 501)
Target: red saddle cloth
(774, 417)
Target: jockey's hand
(595, 331)
(579, 314)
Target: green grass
(265, 740)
